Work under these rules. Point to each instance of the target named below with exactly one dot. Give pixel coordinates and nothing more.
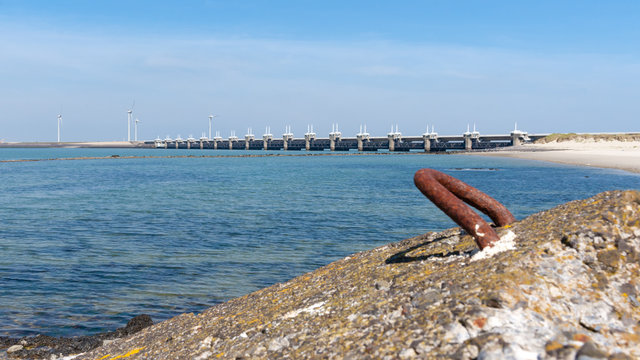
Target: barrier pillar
(468, 143)
(392, 143)
(427, 143)
(515, 138)
(307, 142)
(333, 138)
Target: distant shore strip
(204, 156)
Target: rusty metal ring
(448, 194)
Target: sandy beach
(624, 155)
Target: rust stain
(581, 337)
(479, 322)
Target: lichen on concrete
(568, 288)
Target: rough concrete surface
(565, 287)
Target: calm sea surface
(87, 244)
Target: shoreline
(51, 347)
(621, 155)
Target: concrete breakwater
(566, 286)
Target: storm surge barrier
(394, 141)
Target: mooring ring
(450, 194)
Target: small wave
(473, 169)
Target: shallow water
(87, 244)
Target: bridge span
(394, 141)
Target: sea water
(87, 244)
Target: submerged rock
(567, 287)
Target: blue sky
(551, 66)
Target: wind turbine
(210, 120)
(129, 112)
(136, 130)
(59, 123)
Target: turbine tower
(129, 112)
(135, 137)
(59, 122)
(211, 120)
(129, 124)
